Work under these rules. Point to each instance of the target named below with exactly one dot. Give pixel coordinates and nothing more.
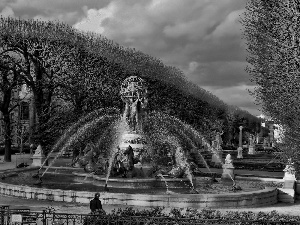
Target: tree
(272, 32)
(89, 81)
(41, 50)
(10, 78)
(58, 63)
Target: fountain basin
(141, 197)
(140, 183)
(263, 197)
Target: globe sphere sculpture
(133, 88)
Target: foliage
(39, 49)
(89, 81)
(169, 91)
(191, 216)
(84, 70)
(271, 29)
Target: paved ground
(34, 205)
(14, 202)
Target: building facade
(20, 117)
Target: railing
(27, 217)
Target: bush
(207, 215)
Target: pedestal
(287, 193)
(38, 158)
(240, 153)
(251, 150)
(228, 172)
(289, 171)
(289, 176)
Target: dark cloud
(68, 11)
(236, 95)
(218, 73)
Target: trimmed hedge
(230, 217)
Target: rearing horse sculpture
(118, 166)
(130, 157)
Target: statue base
(289, 177)
(38, 158)
(240, 153)
(251, 150)
(290, 172)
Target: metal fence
(27, 217)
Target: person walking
(95, 204)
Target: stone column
(240, 148)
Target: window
(24, 114)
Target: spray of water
(121, 128)
(164, 179)
(180, 158)
(165, 128)
(88, 118)
(182, 162)
(181, 130)
(92, 173)
(73, 129)
(84, 130)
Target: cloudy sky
(201, 37)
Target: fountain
(136, 139)
(136, 157)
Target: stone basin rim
(47, 190)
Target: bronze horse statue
(118, 166)
(130, 157)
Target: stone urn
(289, 171)
(228, 169)
(38, 158)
